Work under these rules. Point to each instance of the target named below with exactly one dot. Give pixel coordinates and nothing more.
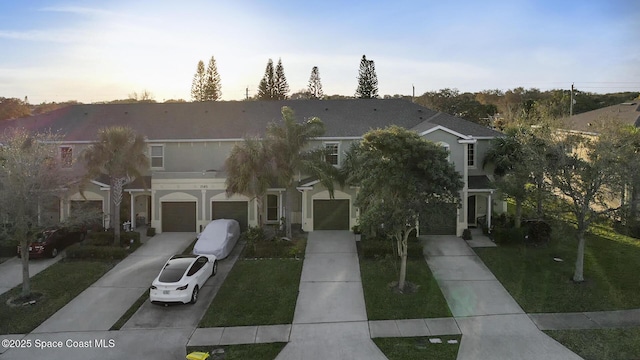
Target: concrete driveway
(11, 270)
(492, 323)
(330, 320)
(151, 316)
(103, 303)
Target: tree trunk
(633, 204)
(578, 275)
(403, 260)
(116, 188)
(26, 281)
(539, 192)
(518, 217)
(259, 206)
(287, 211)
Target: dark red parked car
(51, 242)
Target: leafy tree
(288, 142)
(212, 86)
(451, 101)
(367, 80)
(48, 107)
(120, 154)
(198, 85)
(585, 172)
(266, 89)
(315, 86)
(30, 173)
(281, 88)
(12, 108)
(400, 176)
(144, 97)
(250, 171)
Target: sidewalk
(492, 323)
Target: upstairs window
(471, 155)
(157, 156)
(66, 156)
(332, 153)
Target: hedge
(80, 251)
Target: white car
(218, 238)
(181, 278)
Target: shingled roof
(235, 119)
(591, 121)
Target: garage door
(440, 221)
(236, 210)
(178, 216)
(331, 214)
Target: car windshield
(174, 270)
(42, 237)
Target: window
(471, 155)
(446, 147)
(66, 156)
(332, 153)
(157, 156)
(272, 207)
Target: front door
(471, 210)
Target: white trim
(302, 188)
(309, 184)
(325, 143)
(469, 141)
(192, 140)
(178, 196)
(491, 191)
(338, 138)
(445, 129)
(101, 185)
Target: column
(489, 209)
(133, 214)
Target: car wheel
(194, 295)
(54, 252)
(215, 268)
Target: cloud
(57, 36)
(79, 10)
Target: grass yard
(601, 343)
(242, 352)
(256, 292)
(540, 284)
(58, 290)
(418, 348)
(383, 304)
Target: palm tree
(120, 154)
(250, 171)
(288, 143)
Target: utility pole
(246, 93)
(413, 92)
(572, 101)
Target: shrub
(254, 234)
(538, 232)
(80, 251)
(466, 234)
(508, 235)
(126, 237)
(102, 238)
(151, 231)
(273, 249)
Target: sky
(93, 51)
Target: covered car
(218, 238)
(181, 279)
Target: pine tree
(198, 83)
(315, 86)
(367, 80)
(266, 87)
(212, 84)
(281, 88)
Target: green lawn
(256, 292)
(383, 304)
(601, 343)
(540, 284)
(59, 283)
(418, 348)
(242, 352)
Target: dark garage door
(236, 210)
(178, 216)
(440, 221)
(331, 214)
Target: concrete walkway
(11, 270)
(493, 325)
(330, 320)
(103, 303)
